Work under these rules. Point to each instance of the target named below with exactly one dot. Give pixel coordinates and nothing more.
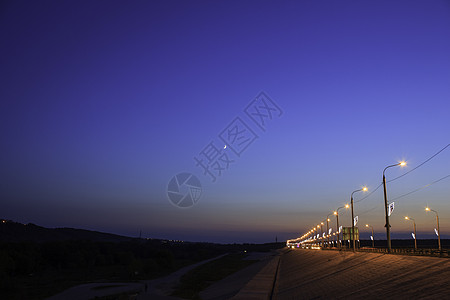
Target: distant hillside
(11, 231)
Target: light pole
(337, 228)
(318, 238)
(373, 238)
(321, 232)
(415, 237)
(314, 235)
(437, 221)
(336, 213)
(388, 229)
(353, 217)
(328, 229)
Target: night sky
(103, 102)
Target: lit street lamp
(415, 237)
(336, 213)
(437, 221)
(388, 229)
(328, 230)
(321, 231)
(373, 238)
(314, 234)
(353, 217)
(319, 238)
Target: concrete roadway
(322, 274)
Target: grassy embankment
(196, 280)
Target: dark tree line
(149, 257)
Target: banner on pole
(390, 209)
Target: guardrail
(409, 251)
(400, 251)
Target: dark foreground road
(321, 274)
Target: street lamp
(353, 217)
(388, 229)
(336, 213)
(317, 235)
(415, 237)
(437, 221)
(321, 231)
(328, 229)
(314, 234)
(373, 238)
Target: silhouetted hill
(11, 231)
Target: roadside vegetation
(38, 270)
(196, 280)
(33, 270)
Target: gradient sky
(102, 102)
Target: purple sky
(103, 102)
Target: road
(321, 274)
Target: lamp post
(373, 238)
(388, 229)
(319, 239)
(316, 237)
(328, 229)
(437, 221)
(321, 232)
(336, 213)
(353, 217)
(415, 237)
